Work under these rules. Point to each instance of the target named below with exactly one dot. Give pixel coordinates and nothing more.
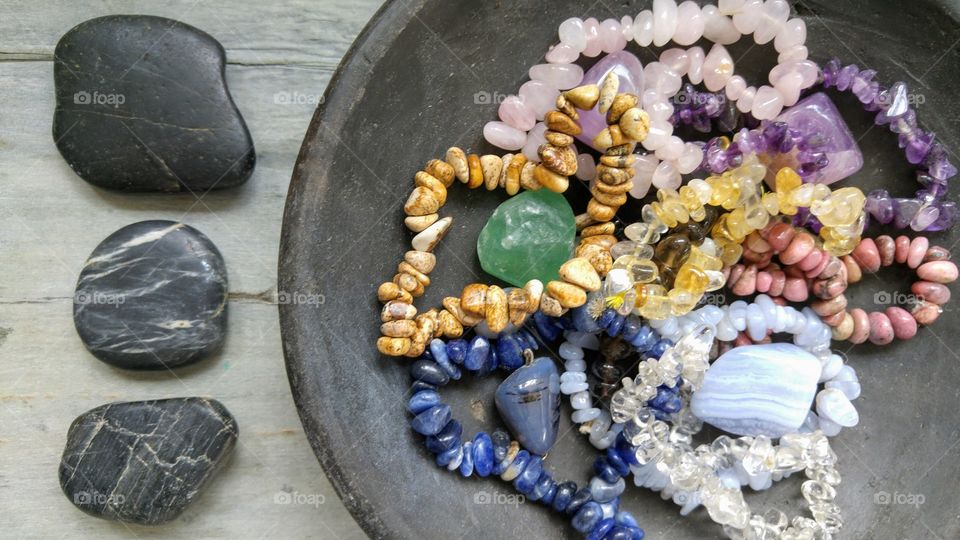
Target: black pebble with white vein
(153, 295)
(142, 105)
(145, 461)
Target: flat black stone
(145, 461)
(142, 105)
(153, 295)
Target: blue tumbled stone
(587, 517)
(509, 352)
(564, 494)
(626, 519)
(477, 354)
(457, 350)
(546, 488)
(645, 339)
(422, 401)
(439, 349)
(449, 456)
(516, 467)
(432, 420)
(482, 454)
(613, 457)
(582, 320)
(610, 508)
(527, 340)
(601, 529)
(604, 492)
(466, 465)
(448, 437)
(529, 403)
(605, 470)
(501, 442)
(420, 386)
(546, 327)
(606, 318)
(631, 328)
(429, 372)
(528, 478)
(580, 498)
(615, 326)
(659, 348)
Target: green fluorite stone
(528, 237)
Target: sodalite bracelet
(594, 509)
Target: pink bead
(539, 96)
(503, 136)
(735, 87)
(562, 54)
(800, 247)
(560, 76)
(820, 267)
(586, 167)
(795, 289)
(745, 101)
(886, 247)
(609, 35)
(626, 29)
(807, 70)
(811, 261)
(902, 249)
(747, 282)
(676, 59)
(938, 271)
(918, 248)
(571, 32)
(717, 68)
(867, 255)
(591, 29)
(695, 73)
(861, 326)
(904, 325)
(793, 34)
(767, 103)
(789, 86)
(534, 139)
(717, 28)
(931, 292)
(777, 283)
(764, 280)
(926, 313)
(517, 114)
(749, 16)
(881, 330)
(690, 23)
(734, 273)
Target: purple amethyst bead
(881, 206)
(946, 217)
(818, 122)
(846, 76)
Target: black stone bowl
(411, 87)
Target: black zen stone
(153, 295)
(142, 105)
(145, 461)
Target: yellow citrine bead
(691, 278)
(639, 270)
(770, 203)
(698, 258)
(716, 281)
(731, 254)
(787, 180)
(663, 216)
(682, 301)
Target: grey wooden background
(281, 55)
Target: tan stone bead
(421, 202)
(566, 107)
(558, 139)
(457, 159)
(534, 290)
(635, 124)
(578, 271)
(624, 149)
(388, 291)
(504, 167)
(621, 104)
(409, 283)
(583, 220)
(614, 189)
(610, 199)
(427, 180)
(844, 330)
(550, 306)
(428, 238)
(473, 299)
(428, 320)
(554, 182)
(620, 162)
(854, 272)
(609, 137)
(497, 315)
(527, 180)
(418, 344)
(394, 311)
(609, 87)
(514, 171)
(583, 97)
(449, 325)
(441, 170)
(559, 159)
(568, 294)
(600, 211)
(423, 261)
(517, 303)
(557, 121)
(393, 346)
(476, 171)
(491, 166)
(606, 241)
(597, 230)
(452, 304)
(599, 258)
(401, 328)
(407, 268)
(613, 176)
(419, 223)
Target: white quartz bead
(717, 28)
(775, 14)
(672, 149)
(832, 405)
(658, 134)
(749, 16)
(665, 21)
(666, 176)
(745, 103)
(767, 103)
(695, 71)
(730, 7)
(571, 33)
(690, 23)
(690, 159)
(792, 34)
(717, 68)
(798, 52)
(643, 28)
(660, 78)
(735, 87)
(626, 28)
(790, 86)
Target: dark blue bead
(605, 471)
(509, 352)
(448, 437)
(545, 326)
(564, 494)
(547, 498)
(528, 478)
(626, 451)
(587, 517)
(466, 465)
(422, 401)
(617, 462)
(482, 454)
(432, 420)
(427, 355)
(620, 533)
(527, 341)
(545, 488)
(601, 529)
(659, 348)
(420, 386)
(477, 354)
(450, 455)
(645, 339)
(501, 442)
(565, 323)
(606, 318)
(492, 362)
(613, 330)
(626, 519)
(579, 498)
(439, 349)
(610, 508)
(631, 328)
(663, 394)
(429, 372)
(582, 320)
(457, 350)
